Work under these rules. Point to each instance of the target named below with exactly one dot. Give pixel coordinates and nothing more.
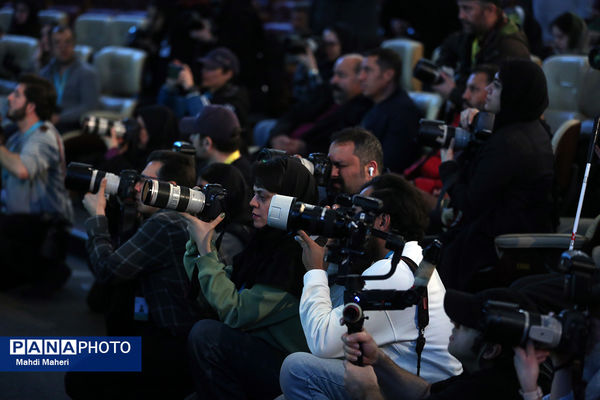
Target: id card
(140, 309)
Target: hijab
(273, 257)
(524, 94)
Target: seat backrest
(120, 70)
(428, 103)
(564, 74)
(20, 48)
(6, 15)
(93, 30)
(410, 51)
(120, 25)
(53, 17)
(589, 104)
(564, 145)
(83, 53)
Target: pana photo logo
(70, 354)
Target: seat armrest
(537, 241)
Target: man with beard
(304, 375)
(76, 83)
(304, 132)
(356, 156)
(216, 134)
(35, 204)
(487, 37)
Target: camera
(318, 164)
(206, 202)
(84, 178)
(428, 72)
(437, 134)
(128, 127)
(509, 324)
(184, 148)
(173, 71)
(288, 214)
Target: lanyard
(59, 85)
(234, 156)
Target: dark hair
(572, 26)
(228, 176)
(366, 145)
(387, 59)
(232, 142)
(176, 167)
(40, 92)
(488, 69)
(403, 202)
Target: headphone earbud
(371, 171)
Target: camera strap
(422, 314)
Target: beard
(17, 114)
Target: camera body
(173, 71)
(428, 72)
(437, 134)
(84, 178)
(206, 203)
(318, 164)
(128, 128)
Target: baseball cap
(216, 121)
(221, 57)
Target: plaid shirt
(154, 257)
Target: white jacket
(394, 331)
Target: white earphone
(371, 171)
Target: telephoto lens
(83, 178)
(173, 197)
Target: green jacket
(262, 311)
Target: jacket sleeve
(243, 309)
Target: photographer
(256, 299)
(321, 307)
(488, 371)
(487, 37)
(506, 186)
(356, 156)
(156, 307)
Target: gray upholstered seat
(410, 51)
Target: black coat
(506, 188)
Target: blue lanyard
(59, 85)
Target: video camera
(437, 134)
(318, 164)
(508, 323)
(128, 128)
(206, 202)
(84, 178)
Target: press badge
(140, 310)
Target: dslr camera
(567, 331)
(430, 73)
(127, 128)
(206, 202)
(437, 134)
(84, 178)
(318, 164)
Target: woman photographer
(506, 186)
(256, 299)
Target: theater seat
(16, 55)
(428, 103)
(5, 18)
(120, 72)
(93, 30)
(53, 17)
(410, 51)
(120, 25)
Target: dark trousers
(165, 374)
(227, 363)
(33, 249)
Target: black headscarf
(273, 257)
(524, 94)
